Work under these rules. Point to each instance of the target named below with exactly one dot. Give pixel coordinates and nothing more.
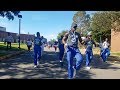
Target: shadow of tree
(98, 63)
(21, 67)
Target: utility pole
(19, 16)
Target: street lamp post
(28, 36)
(19, 16)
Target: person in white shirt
(29, 44)
(9, 39)
(105, 44)
(105, 50)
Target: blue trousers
(89, 57)
(37, 54)
(105, 53)
(61, 52)
(71, 53)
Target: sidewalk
(11, 54)
(5, 54)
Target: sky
(48, 23)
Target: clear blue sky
(48, 23)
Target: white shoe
(74, 72)
(37, 62)
(61, 61)
(90, 57)
(35, 66)
(88, 68)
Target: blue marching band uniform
(104, 50)
(70, 46)
(37, 49)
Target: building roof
(2, 28)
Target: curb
(11, 55)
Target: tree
(83, 21)
(9, 14)
(62, 33)
(52, 41)
(115, 20)
(103, 22)
(101, 25)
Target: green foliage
(62, 33)
(103, 22)
(83, 21)
(9, 14)
(52, 41)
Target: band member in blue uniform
(89, 53)
(70, 41)
(61, 50)
(37, 49)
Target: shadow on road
(21, 67)
(98, 63)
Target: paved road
(21, 67)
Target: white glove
(66, 44)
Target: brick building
(23, 37)
(115, 41)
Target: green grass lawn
(14, 48)
(118, 54)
